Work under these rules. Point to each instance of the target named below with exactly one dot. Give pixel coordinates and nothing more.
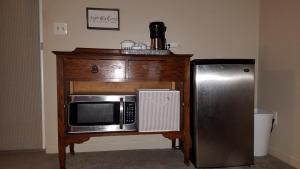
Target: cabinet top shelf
(113, 52)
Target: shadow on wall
(276, 92)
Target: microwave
(101, 113)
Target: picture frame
(103, 18)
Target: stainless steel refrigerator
(222, 112)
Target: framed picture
(103, 18)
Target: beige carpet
(135, 159)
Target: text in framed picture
(103, 18)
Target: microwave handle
(121, 112)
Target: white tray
(145, 52)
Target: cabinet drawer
(88, 69)
(167, 70)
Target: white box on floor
(158, 110)
(263, 122)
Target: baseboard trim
(91, 148)
(291, 160)
(114, 143)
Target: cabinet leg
(174, 144)
(186, 157)
(186, 151)
(62, 155)
(72, 149)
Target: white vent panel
(158, 110)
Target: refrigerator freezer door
(222, 115)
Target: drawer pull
(94, 69)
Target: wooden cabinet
(90, 70)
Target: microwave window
(94, 113)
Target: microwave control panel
(129, 112)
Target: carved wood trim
(78, 140)
(172, 135)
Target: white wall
(279, 80)
(206, 28)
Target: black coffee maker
(157, 35)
